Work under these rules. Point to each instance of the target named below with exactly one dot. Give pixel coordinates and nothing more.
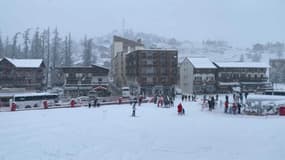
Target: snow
(26, 63)
(242, 65)
(109, 133)
(202, 63)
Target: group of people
(188, 97)
(235, 108)
(95, 103)
(211, 102)
(163, 101)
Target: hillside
(215, 50)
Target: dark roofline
(118, 38)
(77, 67)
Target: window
(149, 79)
(78, 75)
(198, 78)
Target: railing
(232, 79)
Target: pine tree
(87, 51)
(1, 48)
(36, 45)
(67, 51)
(55, 49)
(7, 47)
(26, 43)
(15, 52)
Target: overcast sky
(237, 21)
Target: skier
(95, 102)
(89, 103)
(140, 100)
(171, 102)
(234, 108)
(210, 104)
(226, 106)
(239, 107)
(134, 107)
(213, 102)
(120, 100)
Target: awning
(100, 88)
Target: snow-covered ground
(110, 133)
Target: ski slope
(110, 133)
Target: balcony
(203, 82)
(243, 79)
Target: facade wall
(153, 71)
(79, 81)
(197, 80)
(277, 70)
(120, 48)
(247, 79)
(204, 81)
(186, 77)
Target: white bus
(126, 92)
(34, 100)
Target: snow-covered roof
(25, 63)
(242, 64)
(202, 63)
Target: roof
(157, 49)
(242, 65)
(83, 67)
(229, 83)
(125, 40)
(202, 63)
(25, 63)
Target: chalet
(25, 74)
(152, 71)
(197, 75)
(79, 81)
(247, 76)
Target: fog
(240, 22)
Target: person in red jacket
(180, 109)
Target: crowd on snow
(232, 107)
